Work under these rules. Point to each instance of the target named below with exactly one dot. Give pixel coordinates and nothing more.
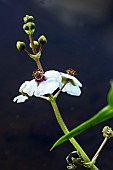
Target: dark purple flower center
(38, 75)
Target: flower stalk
(27, 52)
(65, 130)
(107, 133)
(99, 150)
(57, 94)
(32, 44)
(34, 52)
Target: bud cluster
(29, 28)
(29, 25)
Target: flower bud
(29, 28)
(42, 39)
(35, 44)
(107, 132)
(28, 18)
(20, 45)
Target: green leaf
(110, 95)
(103, 115)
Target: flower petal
(74, 79)
(53, 74)
(76, 82)
(46, 87)
(72, 90)
(29, 87)
(66, 76)
(23, 86)
(20, 99)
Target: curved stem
(65, 130)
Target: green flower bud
(28, 18)
(29, 28)
(42, 39)
(20, 45)
(107, 132)
(35, 44)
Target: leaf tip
(54, 146)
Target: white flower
(53, 78)
(72, 87)
(46, 85)
(20, 99)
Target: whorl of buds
(20, 45)
(42, 39)
(28, 18)
(107, 132)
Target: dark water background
(80, 36)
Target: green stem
(65, 130)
